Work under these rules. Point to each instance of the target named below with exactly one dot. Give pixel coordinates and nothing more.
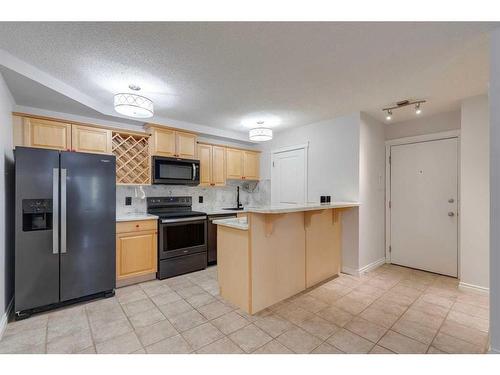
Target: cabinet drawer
(136, 226)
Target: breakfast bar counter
(276, 252)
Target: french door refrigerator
(65, 227)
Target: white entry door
(288, 177)
(424, 192)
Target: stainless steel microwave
(174, 171)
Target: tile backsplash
(251, 194)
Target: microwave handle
(194, 171)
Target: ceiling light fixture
(404, 103)
(133, 105)
(418, 110)
(260, 134)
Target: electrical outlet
(128, 201)
(200, 199)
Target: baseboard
(477, 288)
(368, 267)
(350, 271)
(372, 265)
(5, 318)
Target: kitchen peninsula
(278, 251)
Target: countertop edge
(279, 210)
(135, 217)
(227, 223)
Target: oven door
(173, 171)
(182, 237)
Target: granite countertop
(280, 209)
(135, 216)
(237, 223)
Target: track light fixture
(417, 109)
(404, 103)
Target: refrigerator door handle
(55, 209)
(63, 211)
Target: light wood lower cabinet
(136, 251)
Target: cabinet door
(205, 155)
(135, 254)
(47, 134)
(218, 166)
(163, 142)
(251, 161)
(186, 145)
(234, 163)
(89, 139)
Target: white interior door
(288, 177)
(424, 192)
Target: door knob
(451, 200)
(451, 213)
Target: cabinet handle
(137, 225)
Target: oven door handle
(192, 218)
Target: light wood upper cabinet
(234, 163)
(212, 165)
(242, 164)
(46, 134)
(205, 155)
(172, 143)
(90, 139)
(251, 165)
(218, 166)
(162, 142)
(136, 251)
(186, 145)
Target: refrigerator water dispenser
(37, 214)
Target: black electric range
(182, 236)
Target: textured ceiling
(229, 75)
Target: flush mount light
(404, 103)
(133, 105)
(261, 133)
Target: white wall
(6, 189)
(333, 158)
(474, 192)
(371, 191)
(424, 125)
(494, 96)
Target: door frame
(305, 147)
(409, 140)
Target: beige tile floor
(389, 310)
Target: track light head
(389, 115)
(418, 110)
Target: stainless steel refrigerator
(65, 227)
